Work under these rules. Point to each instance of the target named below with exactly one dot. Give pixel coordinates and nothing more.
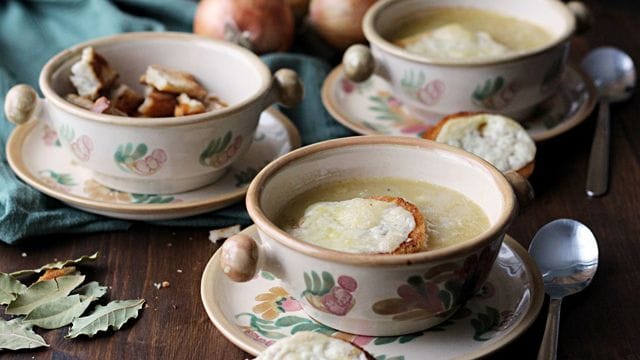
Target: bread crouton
(126, 99)
(92, 74)
(188, 106)
(158, 104)
(173, 81)
(417, 239)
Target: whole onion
(259, 25)
(339, 22)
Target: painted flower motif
(431, 93)
(475, 270)
(495, 94)
(359, 340)
(220, 151)
(347, 85)
(275, 302)
(151, 163)
(255, 336)
(327, 296)
(50, 136)
(82, 147)
(135, 159)
(421, 295)
(97, 191)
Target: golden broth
(515, 34)
(450, 216)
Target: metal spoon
(567, 254)
(614, 75)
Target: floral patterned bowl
(513, 84)
(159, 155)
(380, 294)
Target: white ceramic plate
(370, 108)
(35, 155)
(254, 314)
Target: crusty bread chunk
(417, 239)
(213, 102)
(102, 105)
(78, 100)
(188, 106)
(158, 104)
(92, 74)
(498, 139)
(305, 345)
(173, 81)
(126, 99)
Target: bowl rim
(60, 58)
(497, 230)
(372, 35)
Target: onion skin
(260, 25)
(339, 22)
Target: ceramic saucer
(370, 108)
(35, 155)
(254, 314)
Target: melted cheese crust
(454, 42)
(357, 225)
(307, 345)
(495, 138)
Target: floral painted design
(275, 302)
(58, 181)
(50, 136)
(82, 147)
(495, 94)
(491, 321)
(552, 76)
(97, 191)
(417, 87)
(134, 159)
(220, 151)
(440, 291)
(349, 86)
(327, 296)
(389, 108)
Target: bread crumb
(179, 271)
(165, 284)
(24, 254)
(219, 234)
(157, 285)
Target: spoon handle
(598, 173)
(549, 347)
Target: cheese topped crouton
(158, 104)
(188, 106)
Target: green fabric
(33, 31)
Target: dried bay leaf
(113, 315)
(90, 290)
(51, 274)
(14, 335)
(43, 292)
(58, 313)
(9, 288)
(57, 265)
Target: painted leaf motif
(485, 323)
(113, 315)
(57, 265)
(9, 288)
(90, 290)
(58, 313)
(291, 320)
(43, 292)
(328, 282)
(14, 335)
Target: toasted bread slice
(173, 81)
(304, 345)
(158, 104)
(92, 74)
(417, 239)
(495, 138)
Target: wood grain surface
(599, 323)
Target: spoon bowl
(614, 75)
(566, 252)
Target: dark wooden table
(600, 323)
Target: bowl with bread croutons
(154, 113)
(377, 235)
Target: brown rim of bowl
(55, 62)
(13, 150)
(374, 38)
(264, 224)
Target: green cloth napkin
(33, 31)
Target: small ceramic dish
(35, 154)
(368, 301)
(255, 314)
(159, 155)
(512, 84)
(372, 108)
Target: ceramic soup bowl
(374, 294)
(168, 154)
(512, 84)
